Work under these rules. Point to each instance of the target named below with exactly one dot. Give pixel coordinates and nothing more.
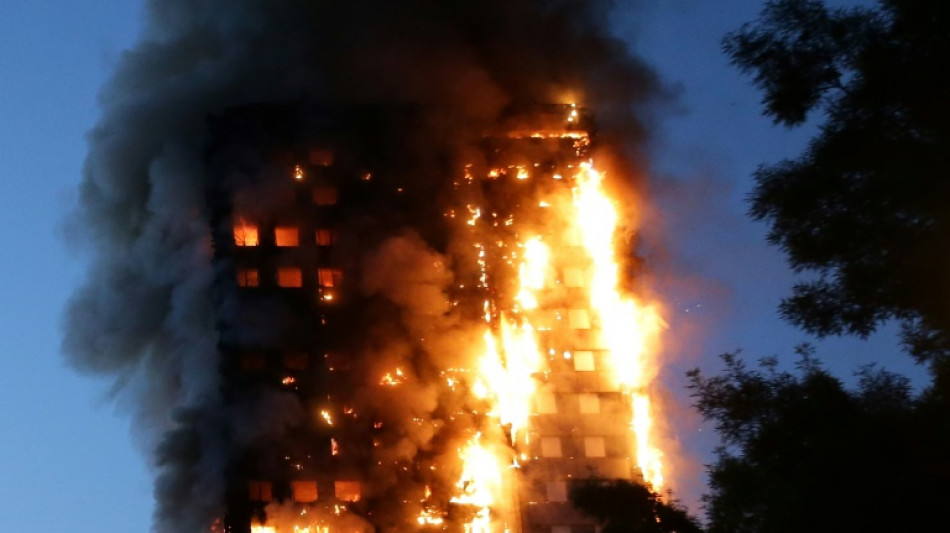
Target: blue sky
(67, 460)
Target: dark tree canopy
(621, 506)
(803, 454)
(865, 209)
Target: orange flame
(628, 329)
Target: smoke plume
(147, 313)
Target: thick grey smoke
(146, 313)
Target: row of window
(290, 277)
(594, 447)
(305, 491)
(588, 403)
(248, 235)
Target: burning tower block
(443, 359)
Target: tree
(622, 506)
(865, 209)
(802, 453)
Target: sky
(67, 460)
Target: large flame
(626, 330)
(479, 484)
(629, 330)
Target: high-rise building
(429, 334)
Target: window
(289, 277)
(304, 491)
(245, 235)
(556, 491)
(348, 491)
(547, 403)
(328, 278)
(589, 403)
(286, 236)
(573, 277)
(578, 319)
(584, 361)
(595, 447)
(248, 277)
(260, 491)
(324, 195)
(325, 237)
(550, 447)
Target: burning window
(324, 195)
(286, 236)
(296, 361)
(547, 404)
(245, 235)
(329, 277)
(578, 318)
(248, 277)
(589, 403)
(595, 447)
(573, 277)
(348, 491)
(289, 277)
(584, 361)
(304, 491)
(556, 491)
(550, 446)
(260, 491)
(325, 237)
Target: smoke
(149, 312)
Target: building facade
(367, 291)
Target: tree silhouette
(866, 207)
(622, 506)
(802, 453)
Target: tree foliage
(866, 207)
(622, 506)
(802, 453)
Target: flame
(628, 330)
(532, 272)
(480, 481)
(509, 381)
(393, 378)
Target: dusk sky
(68, 462)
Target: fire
(429, 516)
(480, 481)
(628, 330)
(532, 272)
(509, 381)
(393, 378)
